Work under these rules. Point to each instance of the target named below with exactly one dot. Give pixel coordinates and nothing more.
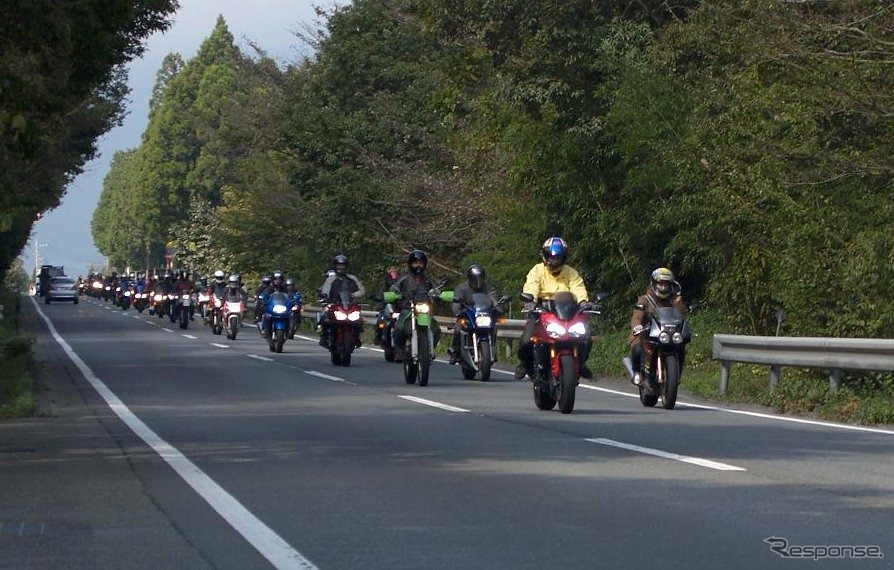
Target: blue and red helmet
(554, 253)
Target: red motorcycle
(215, 313)
(561, 331)
(232, 316)
(344, 326)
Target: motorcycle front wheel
(279, 338)
(484, 366)
(671, 380)
(424, 357)
(567, 384)
(346, 346)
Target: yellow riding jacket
(542, 284)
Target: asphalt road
(180, 449)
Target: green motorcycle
(421, 350)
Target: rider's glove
(433, 293)
(587, 306)
(637, 329)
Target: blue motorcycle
(477, 326)
(296, 303)
(274, 323)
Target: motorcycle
(275, 321)
(202, 299)
(181, 308)
(669, 333)
(562, 329)
(140, 297)
(384, 335)
(232, 316)
(296, 303)
(126, 298)
(421, 351)
(344, 324)
(478, 337)
(214, 311)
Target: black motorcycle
(668, 334)
(384, 334)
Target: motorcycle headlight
(423, 308)
(158, 297)
(354, 316)
(395, 316)
(127, 293)
(577, 329)
(341, 316)
(555, 329)
(663, 338)
(677, 338)
(279, 309)
(483, 321)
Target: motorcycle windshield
(669, 316)
(420, 296)
(565, 305)
(277, 299)
(344, 298)
(482, 302)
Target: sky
(62, 236)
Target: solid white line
(754, 414)
(433, 404)
(189, 336)
(135, 317)
(269, 544)
(166, 330)
(218, 345)
(256, 357)
(325, 376)
(658, 453)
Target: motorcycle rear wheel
(542, 398)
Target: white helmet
(219, 277)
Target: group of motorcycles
(562, 329)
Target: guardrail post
(774, 378)
(724, 377)
(834, 380)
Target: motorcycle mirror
(527, 297)
(640, 306)
(502, 299)
(601, 296)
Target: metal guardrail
(834, 354)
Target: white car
(62, 289)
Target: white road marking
(326, 376)
(433, 404)
(658, 453)
(256, 357)
(166, 329)
(218, 345)
(753, 414)
(189, 336)
(269, 544)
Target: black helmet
(340, 260)
(475, 275)
(265, 280)
(417, 255)
(277, 277)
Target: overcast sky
(270, 24)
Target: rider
(548, 278)
(219, 285)
(663, 291)
(233, 290)
(476, 282)
(412, 282)
(340, 281)
(259, 304)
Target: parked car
(62, 289)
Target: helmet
(265, 280)
(340, 260)
(554, 253)
(233, 281)
(277, 277)
(290, 281)
(475, 275)
(417, 255)
(219, 277)
(662, 282)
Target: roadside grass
(16, 378)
